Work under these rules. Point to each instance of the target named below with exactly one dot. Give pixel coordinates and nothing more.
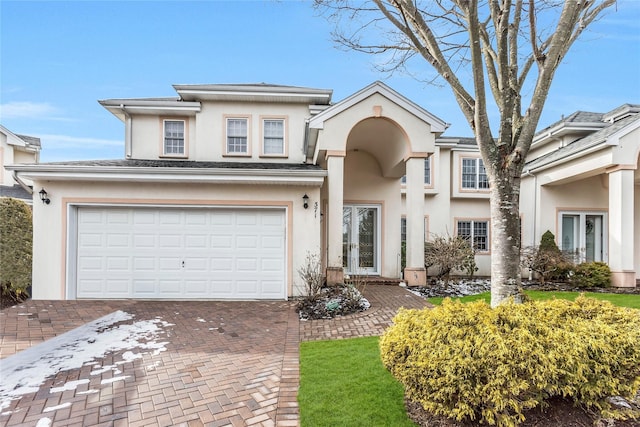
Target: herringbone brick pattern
(225, 364)
(385, 302)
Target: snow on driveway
(26, 371)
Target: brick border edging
(287, 412)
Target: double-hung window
(474, 175)
(237, 136)
(273, 137)
(476, 232)
(173, 137)
(427, 172)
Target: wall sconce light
(44, 196)
(305, 201)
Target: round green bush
(16, 230)
(469, 362)
(591, 274)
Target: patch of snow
(154, 366)
(71, 385)
(129, 356)
(44, 422)
(102, 370)
(55, 408)
(26, 371)
(200, 319)
(114, 379)
(90, 391)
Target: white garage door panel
(180, 253)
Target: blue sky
(59, 58)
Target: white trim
(580, 233)
(72, 233)
(437, 125)
(378, 238)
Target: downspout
(128, 133)
(305, 146)
(535, 210)
(21, 183)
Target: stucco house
(14, 149)
(582, 182)
(225, 189)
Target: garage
(180, 253)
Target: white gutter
(17, 179)
(128, 132)
(599, 145)
(167, 175)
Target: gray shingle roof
(30, 140)
(581, 144)
(15, 191)
(187, 164)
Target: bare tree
(495, 57)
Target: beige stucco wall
(337, 129)
(50, 246)
(584, 195)
(364, 184)
(206, 136)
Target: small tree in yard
(311, 274)
(547, 259)
(16, 237)
(481, 50)
(447, 253)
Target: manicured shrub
(591, 274)
(16, 237)
(547, 260)
(469, 362)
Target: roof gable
(437, 124)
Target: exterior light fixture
(305, 201)
(44, 196)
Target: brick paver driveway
(222, 363)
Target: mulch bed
(560, 412)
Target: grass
(621, 300)
(343, 383)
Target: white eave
(437, 124)
(175, 107)
(254, 93)
(170, 174)
(566, 128)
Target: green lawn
(343, 383)
(621, 300)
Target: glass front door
(360, 239)
(583, 235)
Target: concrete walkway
(222, 363)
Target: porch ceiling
(384, 140)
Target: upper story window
(476, 232)
(474, 175)
(237, 136)
(174, 138)
(427, 172)
(273, 143)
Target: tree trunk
(505, 238)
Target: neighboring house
(225, 189)
(15, 149)
(582, 182)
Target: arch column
(335, 180)
(414, 273)
(621, 227)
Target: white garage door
(180, 253)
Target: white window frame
(473, 233)
(478, 165)
(174, 138)
(282, 137)
(580, 235)
(427, 173)
(246, 136)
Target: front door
(361, 239)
